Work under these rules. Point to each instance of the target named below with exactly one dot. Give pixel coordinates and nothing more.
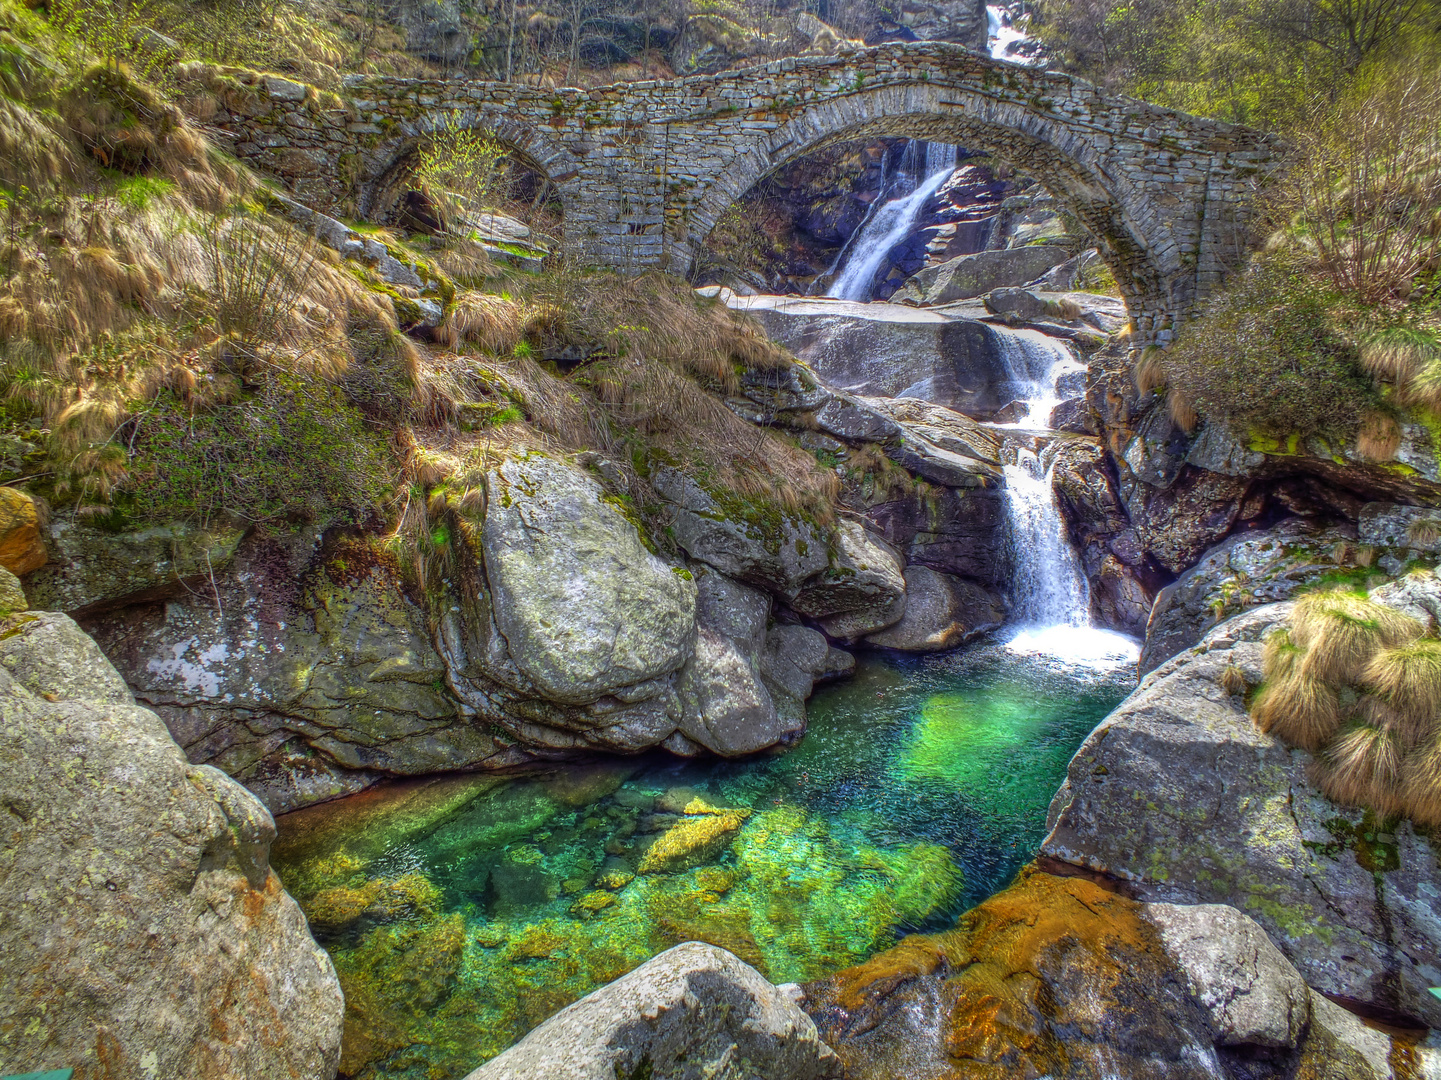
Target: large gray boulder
(585, 608)
(862, 589)
(693, 1011)
(1180, 795)
(142, 931)
(968, 276)
(941, 613)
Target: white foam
(1081, 646)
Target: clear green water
(461, 912)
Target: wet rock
(693, 1009)
(1251, 993)
(1246, 570)
(776, 551)
(968, 276)
(949, 430)
(1052, 977)
(862, 589)
(22, 549)
(1178, 794)
(584, 607)
(94, 570)
(1116, 565)
(140, 921)
(941, 613)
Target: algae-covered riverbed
(461, 911)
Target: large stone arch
(1111, 204)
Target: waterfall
(1002, 33)
(1034, 366)
(1052, 598)
(891, 218)
(1050, 587)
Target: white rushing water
(1002, 33)
(891, 218)
(1052, 614)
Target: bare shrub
(1364, 192)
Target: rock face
(968, 276)
(142, 931)
(308, 674)
(694, 1010)
(1247, 570)
(890, 350)
(1179, 795)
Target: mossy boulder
(585, 609)
(140, 920)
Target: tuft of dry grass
(488, 322)
(1424, 532)
(1362, 767)
(1340, 632)
(1421, 784)
(1301, 710)
(1408, 679)
(1182, 413)
(1379, 436)
(1149, 374)
(1233, 680)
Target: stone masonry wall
(645, 169)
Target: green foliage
(1268, 357)
(294, 448)
(138, 192)
(462, 169)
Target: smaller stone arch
(387, 166)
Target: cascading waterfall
(891, 218)
(1052, 598)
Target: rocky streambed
(581, 750)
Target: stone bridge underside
(644, 170)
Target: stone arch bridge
(644, 170)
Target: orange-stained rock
(21, 548)
(1054, 976)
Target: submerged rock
(694, 1010)
(142, 931)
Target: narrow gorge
(748, 544)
